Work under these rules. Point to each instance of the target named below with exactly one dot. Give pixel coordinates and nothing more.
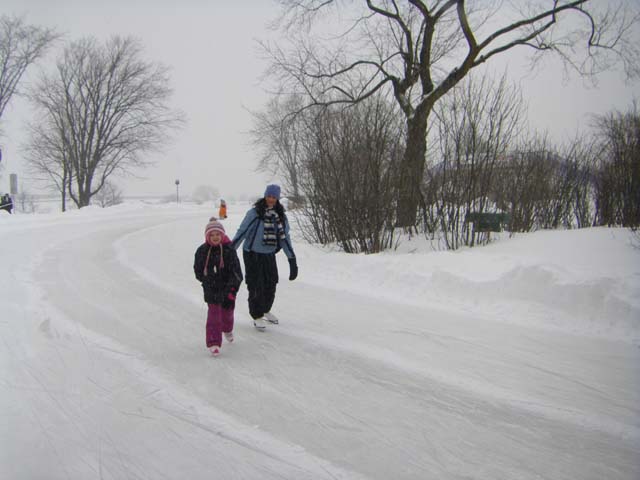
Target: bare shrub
(474, 127)
(618, 174)
(348, 160)
(109, 195)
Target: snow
(519, 360)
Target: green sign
(488, 222)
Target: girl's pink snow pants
(218, 320)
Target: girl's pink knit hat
(213, 226)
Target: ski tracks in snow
(104, 406)
(346, 384)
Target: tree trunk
(412, 169)
(64, 194)
(84, 199)
(84, 189)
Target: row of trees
(446, 145)
(98, 113)
(401, 66)
(418, 51)
(341, 167)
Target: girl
(217, 267)
(264, 231)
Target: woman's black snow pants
(261, 277)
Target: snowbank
(580, 281)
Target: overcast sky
(211, 47)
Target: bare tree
(545, 186)
(99, 112)
(421, 49)
(47, 156)
(279, 135)
(526, 186)
(618, 176)
(26, 202)
(20, 46)
(475, 127)
(566, 187)
(570, 204)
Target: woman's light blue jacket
(251, 232)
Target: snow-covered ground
(520, 360)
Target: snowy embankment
(516, 360)
(585, 282)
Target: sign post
(13, 184)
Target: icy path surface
(104, 374)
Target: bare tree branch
(20, 46)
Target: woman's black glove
(293, 269)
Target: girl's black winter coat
(219, 282)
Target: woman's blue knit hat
(272, 190)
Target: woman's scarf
(273, 228)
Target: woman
(264, 231)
